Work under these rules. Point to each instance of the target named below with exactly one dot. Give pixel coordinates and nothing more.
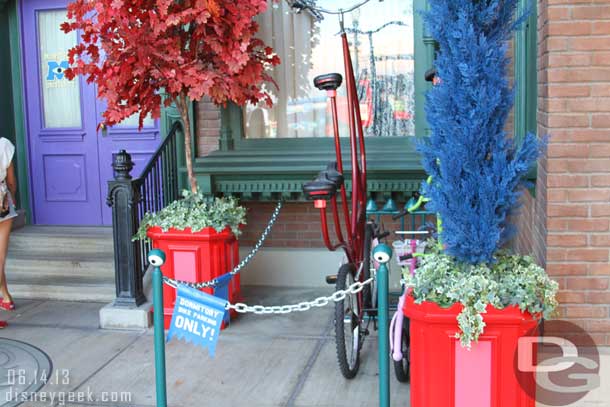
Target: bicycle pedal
(331, 279)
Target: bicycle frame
(355, 218)
(398, 318)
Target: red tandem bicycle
(354, 314)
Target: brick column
(571, 225)
(208, 126)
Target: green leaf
(512, 280)
(197, 212)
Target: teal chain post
(156, 258)
(382, 254)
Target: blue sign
(197, 318)
(221, 291)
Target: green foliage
(511, 280)
(197, 212)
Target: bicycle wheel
(402, 368)
(348, 330)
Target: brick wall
(567, 224)
(524, 241)
(298, 225)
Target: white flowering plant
(511, 280)
(195, 211)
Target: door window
(61, 99)
(133, 121)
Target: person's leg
(5, 231)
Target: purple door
(141, 145)
(69, 161)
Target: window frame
(389, 159)
(525, 68)
(525, 64)
(423, 51)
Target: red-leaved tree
(135, 50)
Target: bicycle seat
(320, 188)
(329, 81)
(430, 74)
(333, 174)
(325, 185)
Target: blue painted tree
(476, 168)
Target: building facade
(562, 78)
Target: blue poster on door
(197, 318)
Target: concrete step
(58, 264)
(75, 288)
(62, 263)
(44, 239)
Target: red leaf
(134, 49)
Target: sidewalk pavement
(284, 360)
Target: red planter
(196, 257)
(444, 374)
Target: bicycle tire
(402, 368)
(348, 352)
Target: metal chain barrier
(302, 306)
(213, 283)
(277, 309)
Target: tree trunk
(182, 104)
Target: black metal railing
(158, 184)
(156, 187)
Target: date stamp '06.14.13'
(27, 375)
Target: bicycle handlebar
(411, 208)
(420, 201)
(375, 31)
(382, 235)
(304, 5)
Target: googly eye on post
(382, 253)
(156, 258)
